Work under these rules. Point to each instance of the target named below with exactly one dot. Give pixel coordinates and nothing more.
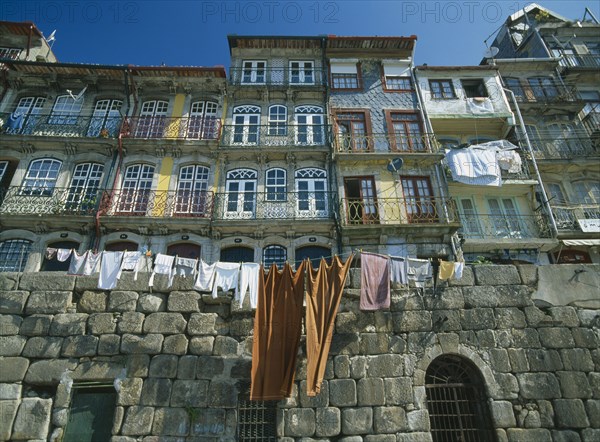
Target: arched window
(456, 401)
(192, 191)
(274, 255)
(203, 121)
(588, 195)
(66, 110)
(311, 189)
(184, 250)
(152, 120)
(30, 108)
(83, 192)
(14, 254)
(277, 120)
(309, 122)
(121, 246)
(135, 191)
(275, 185)
(54, 265)
(237, 254)
(41, 177)
(246, 121)
(314, 253)
(106, 118)
(241, 193)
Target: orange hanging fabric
(324, 293)
(277, 330)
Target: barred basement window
(456, 401)
(257, 420)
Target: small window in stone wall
(257, 420)
(91, 414)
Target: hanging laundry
(14, 123)
(374, 281)
(458, 269)
(185, 267)
(92, 263)
(226, 276)
(163, 265)
(446, 270)
(324, 293)
(131, 261)
(249, 275)
(205, 278)
(509, 160)
(474, 166)
(398, 270)
(109, 270)
(77, 265)
(277, 330)
(63, 254)
(419, 271)
(50, 253)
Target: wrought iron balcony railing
(580, 61)
(567, 216)
(86, 202)
(37, 200)
(283, 76)
(158, 203)
(576, 146)
(591, 122)
(401, 143)
(60, 125)
(317, 204)
(394, 211)
(275, 135)
(182, 128)
(545, 93)
(487, 226)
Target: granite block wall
(179, 359)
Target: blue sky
(193, 33)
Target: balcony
(398, 211)
(591, 122)
(60, 125)
(503, 227)
(381, 143)
(576, 146)
(304, 205)
(580, 61)
(174, 128)
(568, 216)
(271, 136)
(87, 202)
(303, 77)
(547, 93)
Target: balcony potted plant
(103, 133)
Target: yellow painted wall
(162, 188)
(174, 127)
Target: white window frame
(470, 218)
(152, 120)
(254, 72)
(309, 125)
(41, 180)
(501, 211)
(136, 188)
(303, 67)
(279, 261)
(311, 193)
(66, 110)
(18, 249)
(11, 53)
(397, 71)
(240, 203)
(85, 183)
(203, 120)
(246, 125)
(275, 185)
(192, 190)
(107, 115)
(277, 120)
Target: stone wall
(179, 359)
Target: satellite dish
(395, 165)
(491, 52)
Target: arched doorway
(184, 250)
(314, 253)
(456, 401)
(121, 246)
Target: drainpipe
(533, 161)
(334, 199)
(29, 42)
(429, 129)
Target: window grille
(257, 420)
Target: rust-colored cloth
(324, 293)
(277, 330)
(374, 282)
